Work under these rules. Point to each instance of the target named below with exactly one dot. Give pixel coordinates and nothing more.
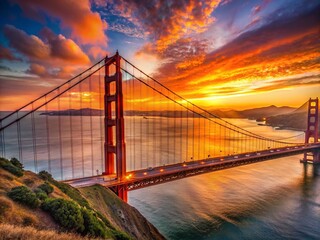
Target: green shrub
(25, 196)
(46, 187)
(16, 163)
(73, 193)
(28, 181)
(44, 175)
(120, 235)
(41, 195)
(65, 188)
(3, 161)
(92, 225)
(66, 213)
(7, 165)
(14, 170)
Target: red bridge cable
(50, 100)
(189, 101)
(47, 93)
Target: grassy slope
(15, 214)
(123, 216)
(19, 214)
(10, 232)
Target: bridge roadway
(152, 176)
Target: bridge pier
(311, 157)
(121, 191)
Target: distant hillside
(35, 206)
(75, 112)
(254, 113)
(295, 120)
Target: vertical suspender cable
(187, 135)
(181, 110)
(134, 129)
(209, 139)
(19, 141)
(2, 144)
(167, 135)
(147, 120)
(141, 117)
(81, 129)
(60, 136)
(101, 122)
(91, 126)
(48, 135)
(154, 122)
(193, 126)
(174, 131)
(205, 139)
(34, 141)
(71, 134)
(199, 138)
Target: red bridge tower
(114, 119)
(312, 132)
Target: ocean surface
(276, 199)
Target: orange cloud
(168, 22)
(97, 52)
(51, 48)
(85, 25)
(256, 61)
(6, 53)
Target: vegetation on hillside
(38, 204)
(13, 166)
(24, 195)
(122, 215)
(28, 199)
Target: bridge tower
(312, 132)
(114, 123)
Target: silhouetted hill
(254, 113)
(296, 120)
(75, 112)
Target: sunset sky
(219, 54)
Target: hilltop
(35, 206)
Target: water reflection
(277, 199)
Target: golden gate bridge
(117, 126)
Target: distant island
(75, 112)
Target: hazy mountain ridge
(254, 113)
